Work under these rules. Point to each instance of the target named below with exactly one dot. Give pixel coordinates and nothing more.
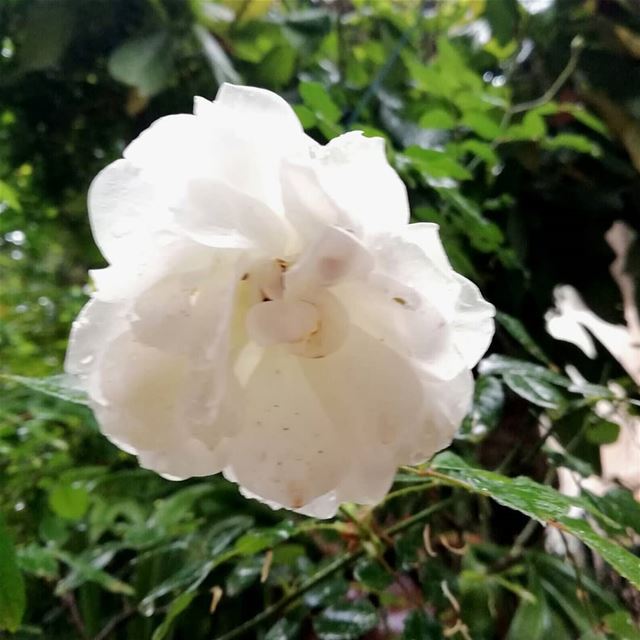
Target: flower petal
(336, 255)
(348, 183)
(289, 451)
(124, 213)
(218, 215)
(392, 405)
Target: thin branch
(576, 49)
(104, 633)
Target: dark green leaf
(48, 30)
(12, 590)
(517, 330)
(257, 541)
(535, 390)
(602, 431)
(174, 610)
(420, 626)
(345, 620)
(243, 575)
(488, 401)
(326, 592)
(371, 573)
(284, 629)
(541, 503)
(618, 504)
(497, 364)
(503, 18)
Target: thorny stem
(339, 563)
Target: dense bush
(516, 126)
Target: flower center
(308, 319)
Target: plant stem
(339, 563)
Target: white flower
(268, 311)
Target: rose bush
(269, 312)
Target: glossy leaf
(420, 626)
(541, 503)
(535, 390)
(345, 620)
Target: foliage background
(516, 126)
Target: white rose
(268, 311)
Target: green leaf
(481, 149)
(305, 115)
(482, 124)
(517, 330)
(437, 118)
(621, 624)
(12, 590)
(259, 540)
(47, 32)
(9, 196)
(532, 618)
(69, 501)
(317, 98)
(497, 364)
(618, 504)
(534, 390)
(62, 386)
(144, 62)
(572, 141)
(483, 234)
(277, 67)
(602, 431)
(326, 592)
(542, 503)
(488, 401)
(221, 65)
(345, 620)
(174, 610)
(585, 117)
(39, 561)
(503, 18)
(532, 127)
(370, 573)
(436, 164)
(419, 626)
(284, 629)
(243, 575)
(88, 567)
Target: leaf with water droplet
(61, 386)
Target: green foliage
(12, 595)
(517, 132)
